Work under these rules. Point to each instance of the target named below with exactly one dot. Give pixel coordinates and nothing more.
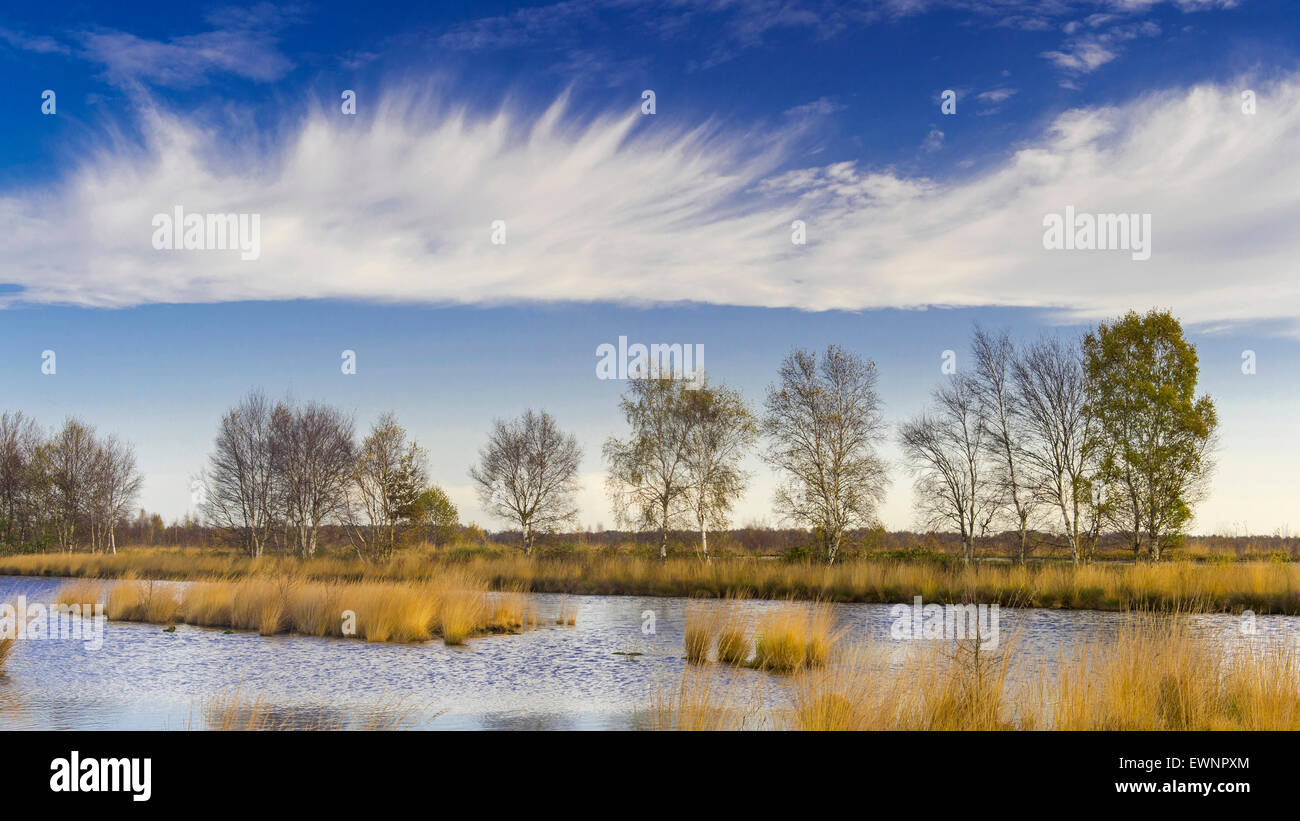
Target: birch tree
(1156, 436)
(1060, 448)
(21, 478)
(946, 450)
(994, 356)
(389, 475)
(240, 477)
(824, 426)
(648, 478)
(528, 474)
(313, 454)
(720, 430)
(115, 486)
(70, 460)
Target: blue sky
(671, 227)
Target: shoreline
(1266, 588)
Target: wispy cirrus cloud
(632, 209)
(242, 42)
(996, 95)
(1088, 50)
(821, 107)
(37, 44)
(1095, 29)
(736, 25)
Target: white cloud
(36, 44)
(627, 208)
(243, 42)
(1082, 56)
(933, 141)
(1088, 52)
(996, 95)
(821, 107)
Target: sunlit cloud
(635, 209)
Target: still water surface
(551, 677)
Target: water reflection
(599, 674)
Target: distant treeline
(1075, 446)
(150, 530)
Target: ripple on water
(552, 677)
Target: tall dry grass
(793, 637)
(733, 633)
(701, 622)
(1154, 674)
(702, 699)
(453, 605)
(7, 647)
(142, 600)
(82, 592)
(1160, 675)
(789, 637)
(1265, 587)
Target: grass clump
(459, 615)
(143, 600)
(454, 605)
(81, 592)
(700, 700)
(698, 632)
(792, 637)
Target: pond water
(550, 677)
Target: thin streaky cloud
(633, 210)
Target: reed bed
(1264, 587)
(1154, 674)
(700, 626)
(82, 592)
(703, 699)
(733, 640)
(510, 612)
(454, 606)
(1169, 678)
(793, 637)
(789, 637)
(142, 600)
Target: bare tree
(21, 491)
(720, 431)
(117, 485)
(528, 473)
(240, 479)
(1059, 456)
(946, 450)
(388, 478)
(70, 455)
(824, 426)
(994, 385)
(313, 456)
(648, 480)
